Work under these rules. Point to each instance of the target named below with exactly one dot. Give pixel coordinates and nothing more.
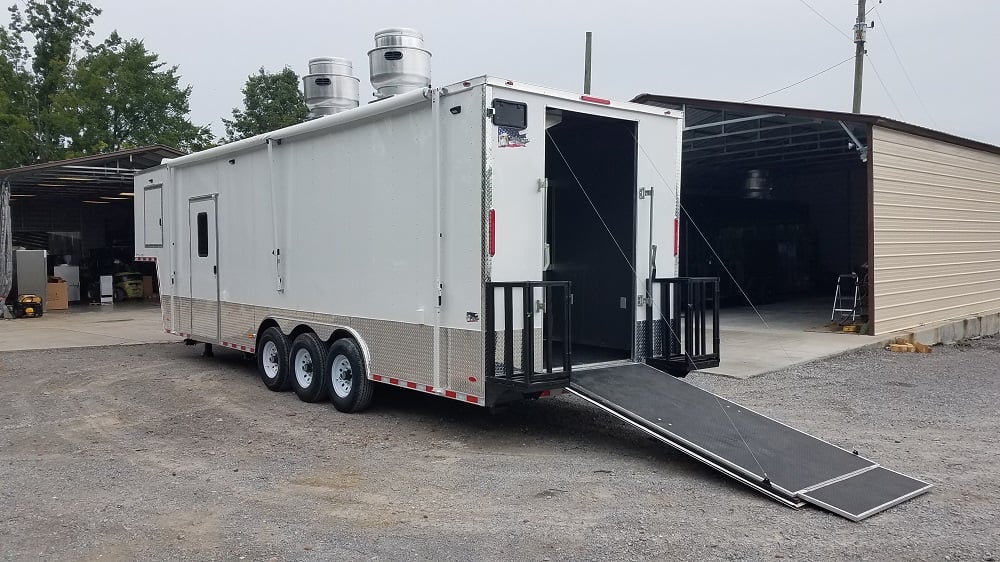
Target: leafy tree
(17, 133)
(271, 101)
(66, 97)
(120, 95)
(59, 28)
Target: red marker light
(595, 100)
(493, 232)
(677, 231)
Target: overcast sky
(733, 50)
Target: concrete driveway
(86, 326)
(785, 334)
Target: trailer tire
(308, 366)
(272, 359)
(349, 387)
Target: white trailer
(371, 245)
(487, 241)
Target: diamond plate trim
(462, 354)
(183, 311)
(238, 322)
(642, 347)
(205, 319)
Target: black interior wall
(100, 236)
(601, 153)
(792, 244)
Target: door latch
(645, 192)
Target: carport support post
(859, 56)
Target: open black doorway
(590, 163)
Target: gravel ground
(153, 452)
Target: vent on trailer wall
(399, 63)
(330, 86)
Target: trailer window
(510, 114)
(202, 235)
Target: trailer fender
(365, 354)
(326, 332)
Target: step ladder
(845, 299)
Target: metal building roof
(88, 177)
(727, 133)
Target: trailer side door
(204, 268)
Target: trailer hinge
(645, 192)
(490, 111)
(539, 305)
(640, 300)
(440, 293)
(543, 183)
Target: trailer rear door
(204, 268)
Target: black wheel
(350, 389)
(272, 359)
(119, 295)
(308, 363)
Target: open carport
(80, 211)
(778, 202)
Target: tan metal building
(915, 211)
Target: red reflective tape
(493, 232)
(411, 384)
(377, 378)
(545, 393)
(595, 100)
(243, 347)
(473, 399)
(677, 231)
(451, 394)
(429, 389)
(393, 381)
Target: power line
(830, 23)
(825, 70)
(885, 30)
(886, 90)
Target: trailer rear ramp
(779, 461)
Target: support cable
(885, 30)
(884, 88)
(658, 310)
(824, 71)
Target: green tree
(58, 28)
(120, 95)
(271, 101)
(66, 97)
(17, 133)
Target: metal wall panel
(936, 231)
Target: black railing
(682, 311)
(518, 369)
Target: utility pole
(859, 55)
(586, 65)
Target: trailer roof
(577, 97)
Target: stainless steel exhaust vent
(330, 86)
(399, 63)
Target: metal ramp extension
(779, 461)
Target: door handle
(215, 269)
